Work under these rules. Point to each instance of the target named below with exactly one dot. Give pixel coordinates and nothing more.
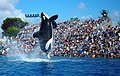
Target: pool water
(60, 66)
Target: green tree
(118, 24)
(12, 31)
(16, 22)
(74, 19)
(8, 24)
(104, 13)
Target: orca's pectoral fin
(36, 35)
(53, 18)
(54, 24)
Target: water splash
(36, 55)
(15, 52)
(54, 60)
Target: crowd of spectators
(25, 39)
(91, 38)
(76, 39)
(24, 42)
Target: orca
(45, 34)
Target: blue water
(59, 66)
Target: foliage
(16, 22)
(12, 26)
(118, 23)
(74, 19)
(104, 13)
(12, 31)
